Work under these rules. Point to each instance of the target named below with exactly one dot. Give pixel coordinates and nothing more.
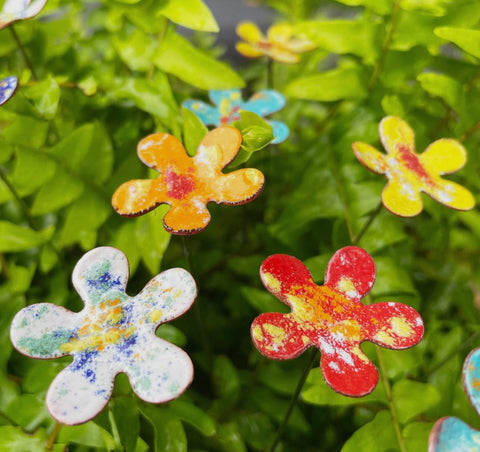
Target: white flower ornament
(14, 10)
(113, 333)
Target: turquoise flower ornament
(228, 103)
(450, 434)
(113, 333)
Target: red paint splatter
(178, 185)
(411, 161)
(232, 116)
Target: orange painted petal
(137, 197)
(219, 147)
(158, 149)
(451, 195)
(249, 50)
(402, 199)
(249, 32)
(239, 187)
(395, 131)
(370, 157)
(443, 156)
(188, 218)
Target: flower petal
(249, 50)
(348, 371)
(8, 86)
(160, 372)
(188, 218)
(395, 132)
(80, 391)
(232, 96)
(219, 147)
(41, 329)
(450, 434)
(280, 131)
(239, 187)
(282, 55)
(33, 9)
(280, 33)
(206, 113)
(101, 274)
(137, 197)
(402, 199)
(392, 325)
(451, 195)
(443, 156)
(165, 297)
(300, 45)
(265, 102)
(351, 271)
(249, 32)
(160, 149)
(281, 274)
(370, 157)
(471, 378)
(278, 336)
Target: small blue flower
(229, 102)
(451, 434)
(8, 86)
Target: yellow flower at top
(409, 173)
(279, 44)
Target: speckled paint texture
(228, 103)
(450, 434)
(187, 184)
(8, 86)
(280, 44)
(332, 318)
(113, 333)
(409, 173)
(14, 10)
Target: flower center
(178, 185)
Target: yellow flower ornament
(279, 43)
(409, 173)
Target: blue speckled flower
(450, 434)
(113, 333)
(14, 10)
(229, 102)
(8, 86)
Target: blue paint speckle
(106, 282)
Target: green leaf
(376, 436)
(412, 398)
(14, 439)
(45, 95)
(466, 39)
(136, 50)
(263, 301)
(391, 279)
(377, 6)
(171, 334)
(416, 435)
(127, 420)
(317, 392)
(225, 379)
(230, 438)
(125, 240)
(178, 57)
(192, 14)
(193, 131)
(447, 88)
(14, 238)
(187, 412)
(28, 411)
(329, 86)
(36, 136)
(89, 434)
(357, 37)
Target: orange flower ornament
(186, 183)
(409, 173)
(279, 44)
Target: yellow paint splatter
(401, 327)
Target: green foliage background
(106, 74)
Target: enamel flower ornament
(280, 44)
(14, 10)
(450, 434)
(332, 318)
(409, 173)
(8, 86)
(228, 103)
(113, 333)
(186, 183)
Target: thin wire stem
(293, 400)
(26, 58)
(367, 225)
(53, 436)
(270, 74)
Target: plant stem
(270, 76)
(116, 436)
(53, 436)
(294, 399)
(373, 215)
(196, 306)
(385, 46)
(26, 58)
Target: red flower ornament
(332, 318)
